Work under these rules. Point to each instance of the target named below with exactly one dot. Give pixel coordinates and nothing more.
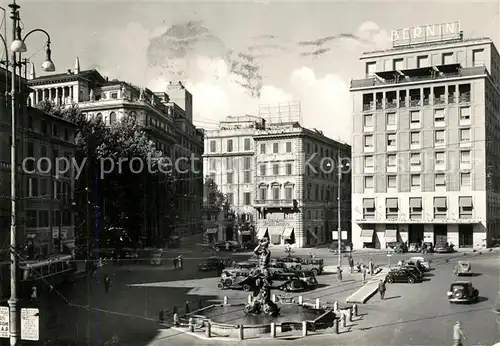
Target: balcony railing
(391, 104)
(463, 72)
(414, 103)
(438, 101)
(379, 105)
(274, 202)
(464, 97)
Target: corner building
(426, 146)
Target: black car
(227, 246)
(288, 282)
(417, 264)
(414, 270)
(211, 263)
(401, 275)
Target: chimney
(77, 66)
(32, 72)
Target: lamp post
(17, 46)
(341, 166)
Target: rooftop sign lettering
(426, 34)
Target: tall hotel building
(426, 141)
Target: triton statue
(262, 302)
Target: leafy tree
(214, 198)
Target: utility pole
(14, 261)
(339, 225)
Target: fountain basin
(227, 320)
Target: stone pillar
(273, 329)
(64, 95)
(355, 310)
(208, 329)
(336, 325)
(225, 300)
(304, 328)
(36, 97)
(57, 96)
(336, 306)
(317, 303)
(191, 325)
(50, 94)
(241, 333)
(301, 300)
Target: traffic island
(369, 289)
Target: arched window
(112, 118)
(99, 117)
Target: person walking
(175, 263)
(180, 260)
(107, 283)
(370, 266)
(363, 271)
(339, 274)
(458, 334)
(351, 263)
(382, 289)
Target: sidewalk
(362, 295)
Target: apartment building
(45, 213)
(167, 123)
(425, 141)
(281, 173)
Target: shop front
(279, 232)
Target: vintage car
(462, 268)
(426, 263)
(236, 279)
(314, 265)
(288, 282)
(156, 259)
(414, 270)
(294, 263)
(443, 248)
(278, 267)
(211, 263)
(227, 246)
(345, 246)
(308, 278)
(245, 265)
(462, 292)
(401, 275)
(417, 264)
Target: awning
(466, 202)
(287, 233)
(415, 203)
(212, 230)
(368, 203)
(391, 235)
(275, 234)
(367, 235)
(261, 233)
(392, 203)
(440, 202)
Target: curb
(364, 297)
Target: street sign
(30, 324)
(4, 322)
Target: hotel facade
(425, 141)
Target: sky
(235, 57)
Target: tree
(119, 195)
(213, 197)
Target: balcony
(274, 202)
(418, 75)
(464, 98)
(391, 104)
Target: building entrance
(415, 233)
(440, 234)
(465, 235)
(229, 233)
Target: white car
(423, 261)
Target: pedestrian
(180, 262)
(370, 266)
(107, 283)
(382, 289)
(175, 263)
(227, 246)
(339, 273)
(363, 269)
(458, 334)
(310, 255)
(351, 263)
(34, 294)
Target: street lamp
(340, 167)
(17, 46)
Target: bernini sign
(425, 34)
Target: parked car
(345, 246)
(417, 264)
(288, 282)
(236, 279)
(462, 292)
(308, 278)
(245, 265)
(211, 263)
(401, 275)
(278, 267)
(224, 246)
(315, 265)
(443, 248)
(294, 263)
(426, 263)
(462, 268)
(414, 270)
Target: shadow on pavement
(393, 297)
(472, 274)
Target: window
(230, 198)
(263, 170)
(229, 178)
(369, 141)
(262, 148)
(465, 135)
(43, 187)
(368, 208)
(422, 61)
(391, 207)
(440, 179)
(213, 146)
(213, 165)
(44, 127)
(415, 180)
(229, 163)
(398, 64)
(55, 130)
(465, 157)
(440, 158)
(114, 96)
(276, 193)
(416, 208)
(369, 182)
(288, 147)
(247, 177)
(229, 145)
(369, 161)
(289, 169)
(464, 114)
(263, 193)
(368, 120)
(439, 115)
(415, 159)
(465, 207)
(415, 138)
(288, 193)
(391, 119)
(391, 181)
(247, 198)
(448, 59)
(112, 118)
(247, 144)
(440, 207)
(32, 187)
(477, 57)
(43, 218)
(276, 169)
(371, 67)
(275, 148)
(439, 137)
(391, 140)
(391, 160)
(465, 179)
(415, 117)
(247, 163)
